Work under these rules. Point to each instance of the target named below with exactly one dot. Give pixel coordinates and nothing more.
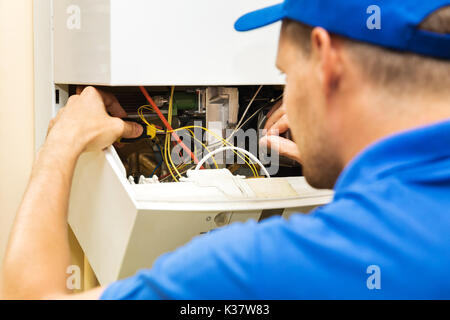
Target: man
(368, 104)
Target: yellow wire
(251, 166)
(204, 146)
(167, 138)
(166, 158)
(168, 151)
(141, 113)
(167, 155)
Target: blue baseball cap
(387, 23)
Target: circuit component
(174, 115)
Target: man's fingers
(279, 127)
(131, 130)
(275, 108)
(80, 89)
(112, 105)
(283, 146)
(274, 117)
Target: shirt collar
(397, 151)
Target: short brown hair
(394, 70)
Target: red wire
(168, 126)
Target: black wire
(262, 108)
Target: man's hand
(277, 124)
(84, 123)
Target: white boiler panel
(161, 42)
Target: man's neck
(373, 119)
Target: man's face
(309, 119)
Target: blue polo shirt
(386, 235)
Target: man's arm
(38, 251)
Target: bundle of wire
(174, 171)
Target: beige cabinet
(16, 108)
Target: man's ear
(325, 50)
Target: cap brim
(260, 18)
